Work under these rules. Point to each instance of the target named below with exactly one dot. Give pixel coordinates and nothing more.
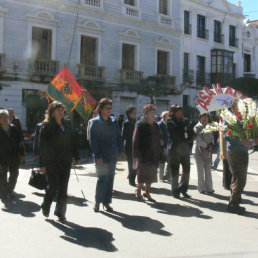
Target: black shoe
(96, 207)
(132, 184)
(202, 192)
(186, 195)
(149, 198)
(107, 207)
(45, 211)
(236, 209)
(62, 219)
(211, 192)
(176, 194)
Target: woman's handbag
(37, 179)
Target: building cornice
(42, 16)
(3, 11)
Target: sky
(250, 8)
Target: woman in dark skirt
(57, 148)
(146, 151)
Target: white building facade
(116, 44)
(212, 43)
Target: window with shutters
(187, 25)
(42, 43)
(88, 50)
(163, 7)
(201, 26)
(130, 2)
(217, 32)
(128, 57)
(162, 61)
(232, 36)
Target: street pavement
(197, 227)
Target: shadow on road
(226, 198)
(78, 201)
(138, 223)
(218, 207)
(178, 210)
(124, 196)
(87, 237)
(18, 206)
(251, 194)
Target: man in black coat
(180, 137)
(11, 154)
(127, 134)
(14, 120)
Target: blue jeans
(217, 160)
(104, 188)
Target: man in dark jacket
(180, 135)
(127, 134)
(14, 120)
(164, 174)
(11, 154)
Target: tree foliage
(248, 86)
(152, 86)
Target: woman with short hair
(146, 151)
(202, 151)
(107, 145)
(57, 149)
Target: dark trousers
(57, 179)
(132, 172)
(7, 184)
(105, 182)
(226, 175)
(177, 158)
(238, 164)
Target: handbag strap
(35, 163)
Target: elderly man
(164, 174)
(11, 154)
(14, 120)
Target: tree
(152, 86)
(248, 86)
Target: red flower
(250, 126)
(229, 132)
(239, 116)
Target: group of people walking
(146, 144)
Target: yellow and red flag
(86, 104)
(65, 88)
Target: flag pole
(76, 20)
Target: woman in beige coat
(202, 151)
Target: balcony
(92, 3)
(219, 38)
(169, 81)
(233, 42)
(188, 76)
(131, 11)
(202, 78)
(91, 73)
(203, 34)
(2, 63)
(44, 67)
(130, 76)
(165, 20)
(249, 75)
(188, 29)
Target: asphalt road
(199, 227)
